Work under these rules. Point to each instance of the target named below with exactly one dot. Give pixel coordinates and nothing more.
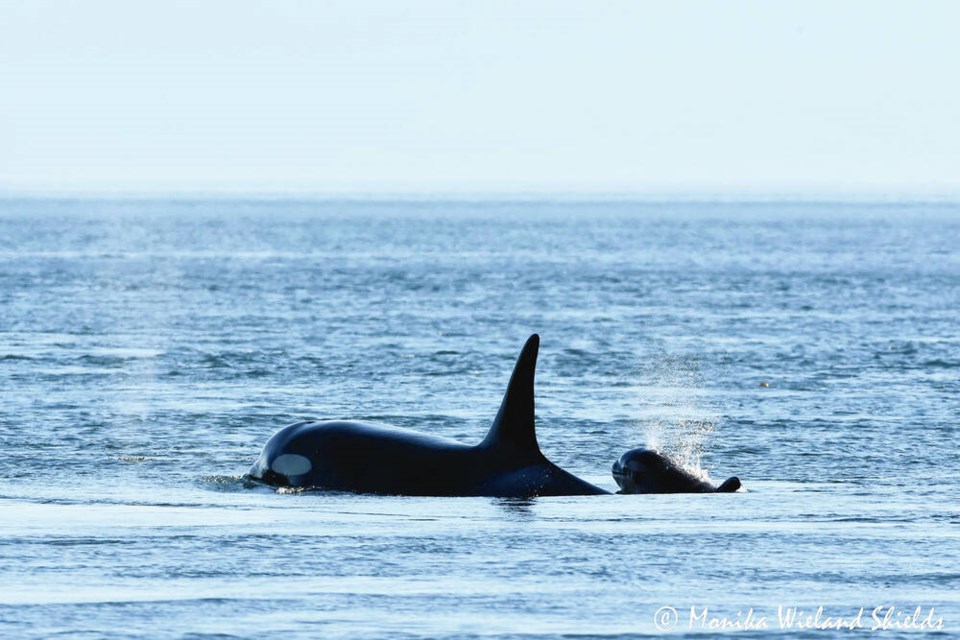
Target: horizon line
(491, 195)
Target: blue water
(148, 348)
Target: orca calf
(370, 458)
(646, 471)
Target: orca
(647, 471)
(372, 458)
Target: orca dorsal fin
(513, 432)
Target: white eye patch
(290, 464)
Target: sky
(480, 96)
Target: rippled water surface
(148, 349)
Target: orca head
(640, 470)
(646, 471)
(279, 464)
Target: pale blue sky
(645, 97)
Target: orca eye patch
(291, 464)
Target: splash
(678, 422)
(228, 483)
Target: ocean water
(148, 348)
